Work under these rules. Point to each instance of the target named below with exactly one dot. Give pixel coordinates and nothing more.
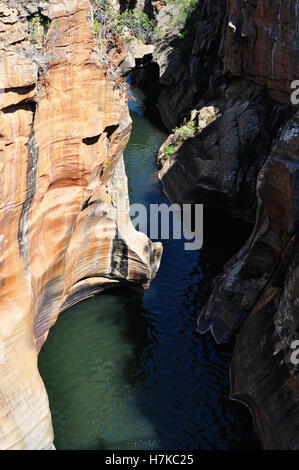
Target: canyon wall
(261, 43)
(65, 231)
(234, 93)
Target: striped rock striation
(64, 126)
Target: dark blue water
(125, 370)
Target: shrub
(182, 133)
(113, 29)
(38, 26)
(111, 24)
(138, 23)
(169, 150)
(186, 131)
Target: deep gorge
(125, 370)
(110, 340)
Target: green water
(124, 370)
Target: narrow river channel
(124, 370)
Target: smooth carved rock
(62, 181)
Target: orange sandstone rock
(62, 135)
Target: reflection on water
(125, 370)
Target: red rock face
(64, 127)
(262, 42)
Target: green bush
(182, 133)
(186, 131)
(169, 150)
(111, 24)
(138, 23)
(38, 26)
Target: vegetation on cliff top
(111, 25)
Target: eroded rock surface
(256, 40)
(261, 43)
(188, 66)
(219, 165)
(246, 162)
(64, 125)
